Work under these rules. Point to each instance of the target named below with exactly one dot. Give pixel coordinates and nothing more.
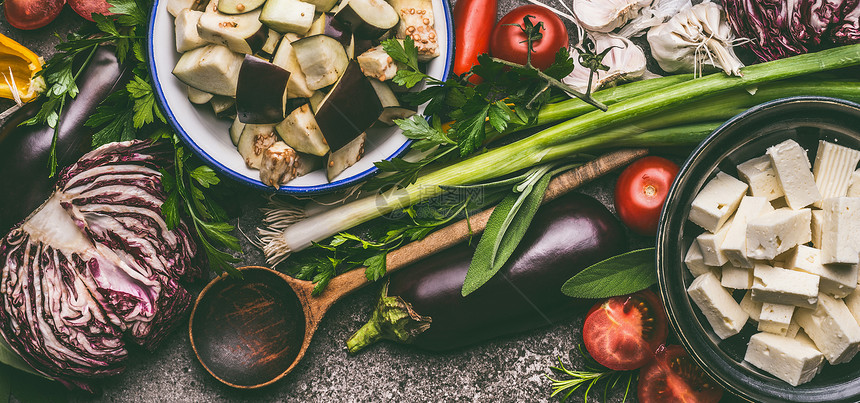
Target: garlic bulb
(655, 14)
(606, 15)
(626, 61)
(695, 37)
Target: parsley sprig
(132, 113)
(509, 95)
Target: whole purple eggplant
(24, 150)
(422, 304)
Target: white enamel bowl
(208, 136)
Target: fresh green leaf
(499, 116)
(618, 275)
(375, 267)
(170, 210)
(469, 131)
(408, 78)
(417, 128)
(505, 229)
(562, 66)
(12, 359)
(395, 50)
(205, 176)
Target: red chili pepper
(473, 22)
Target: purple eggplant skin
(260, 91)
(565, 236)
(24, 150)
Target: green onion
(627, 118)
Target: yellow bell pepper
(18, 68)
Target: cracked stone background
(503, 370)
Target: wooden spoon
(250, 333)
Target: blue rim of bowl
(212, 162)
(662, 280)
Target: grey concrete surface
(511, 369)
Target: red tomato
(674, 377)
(623, 332)
(473, 22)
(32, 14)
(641, 191)
(86, 8)
(508, 42)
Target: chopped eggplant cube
(261, 92)
(322, 58)
(243, 33)
(213, 69)
(346, 157)
(288, 15)
(349, 109)
(300, 131)
(367, 19)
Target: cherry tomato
(86, 8)
(641, 191)
(473, 22)
(674, 377)
(508, 42)
(32, 14)
(623, 332)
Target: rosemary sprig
(590, 377)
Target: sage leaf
(12, 359)
(622, 274)
(505, 229)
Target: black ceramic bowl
(746, 136)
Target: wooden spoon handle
(457, 232)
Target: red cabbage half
(779, 28)
(94, 264)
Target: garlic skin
(657, 13)
(697, 36)
(606, 15)
(626, 61)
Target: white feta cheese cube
(720, 309)
(852, 301)
(775, 318)
(711, 247)
(794, 329)
(817, 226)
(833, 329)
(784, 287)
(834, 165)
(738, 278)
(786, 358)
(735, 244)
(775, 232)
(793, 172)
(854, 187)
(837, 280)
(841, 231)
(695, 262)
(779, 203)
(759, 174)
(752, 308)
(717, 201)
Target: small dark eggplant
(424, 305)
(261, 92)
(24, 150)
